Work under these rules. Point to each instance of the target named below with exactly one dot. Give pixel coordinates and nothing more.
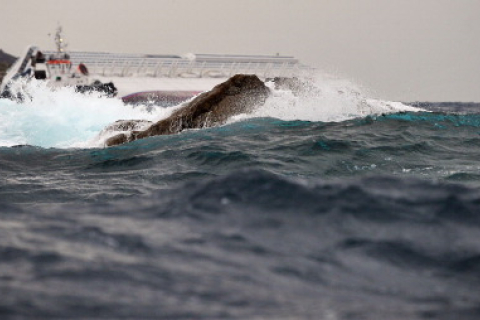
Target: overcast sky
(406, 50)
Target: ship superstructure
(160, 78)
(54, 67)
(141, 77)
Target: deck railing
(191, 69)
(208, 66)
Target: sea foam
(330, 99)
(63, 118)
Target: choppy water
(326, 207)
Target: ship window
(40, 74)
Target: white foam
(63, 118)
(333, 99)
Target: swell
(246, 244)
(427, 145)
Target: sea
(329, 205)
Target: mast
(60, 41)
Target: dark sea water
(372, 217)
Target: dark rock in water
(127, 125)
(237, 95)
(108, 89)
(124, 125)
(117, 140)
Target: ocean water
(328, 206)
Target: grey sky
(407, 50)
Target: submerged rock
(239, 94)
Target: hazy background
(407, 50)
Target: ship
(160, 79)
(55, 68)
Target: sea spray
(328, 98)
(63, 118)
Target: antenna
(59, 40)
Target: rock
(128, 125)
(107, 89)
(117, 140)
(123, 125)
(239, 94)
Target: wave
(251, 243)
(62, 118)
(330, 99)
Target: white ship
(56, 68)
(140, 78)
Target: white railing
(206, 66)
(191, 69)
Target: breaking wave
(330, 99)
(62, 118)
